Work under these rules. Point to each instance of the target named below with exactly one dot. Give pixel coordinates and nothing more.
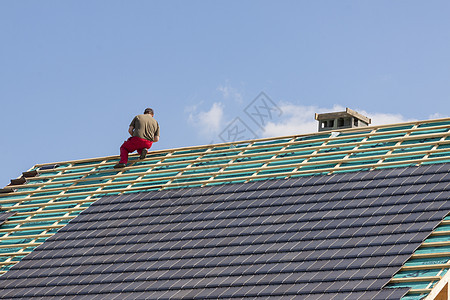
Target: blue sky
(74, 73)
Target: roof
(334, 237)
(48, 196)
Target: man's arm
(130, 130)
(156, 134)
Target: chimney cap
(348, 112)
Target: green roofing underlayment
(55, 193)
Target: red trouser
(132, 144)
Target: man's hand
(130, 130)
(155, 139)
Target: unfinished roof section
(333, 237)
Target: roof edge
(438, 288)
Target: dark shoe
(119, 165)
(143, 153)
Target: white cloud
(299, 119)
(382, 119)
(230, 93)
(437, 116)
(208, 122)
(296, 119)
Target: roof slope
(318, 237)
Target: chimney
(341, 120)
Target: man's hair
(148, 111)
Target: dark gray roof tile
(321, 237)
(5, 215)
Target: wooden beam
(415, 279)
(7, 230)
(7, 263)
(24, 245)
(440, 232)
(15, 253)
(30, 236)
(50, 211)
(425, 267)
(430, 255)
(435, 244)
(24, 206)
(39, 220)
(418, 291)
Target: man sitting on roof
(144, 130)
